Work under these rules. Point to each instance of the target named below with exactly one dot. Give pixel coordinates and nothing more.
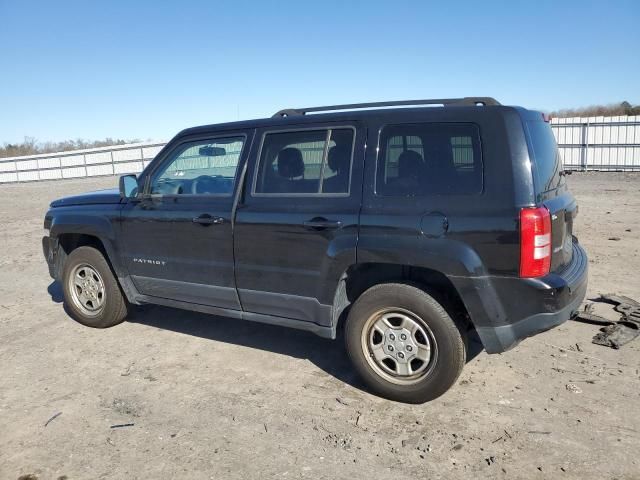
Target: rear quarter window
(547, 163)
(429, 159)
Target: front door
(297, 225)
(177, 235)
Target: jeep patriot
(407, 225)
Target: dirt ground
(218, 398)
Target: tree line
(612, 110)
(30, 146)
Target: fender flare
(100, 227)
(456, 261)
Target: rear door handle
(206, 219)
(320, 223)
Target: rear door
(297, 224)
(551, 189)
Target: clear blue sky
(147, 69)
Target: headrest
(439, 149)
(290, 163)
(410, 164)
(338, 158)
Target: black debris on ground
(614, 334)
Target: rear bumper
(555, 297)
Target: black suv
(411, 227)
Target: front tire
(403, 343)
(91, 293)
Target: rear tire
(403, 343)
(92, 296)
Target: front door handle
(320, 223)
(206, 219)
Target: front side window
(305, 162)
(429, 159)
(206, 167)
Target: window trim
(204, 138)
(378, 194)
(328, 129)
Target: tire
(92, 296)
(430, 338)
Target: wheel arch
(360, 277)
(73, 230)
(69, 241)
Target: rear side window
(429, 159)
(546, 158)
(311, 162)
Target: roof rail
(287, 112)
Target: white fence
(115, 160)
(595, 143)
(599, 143)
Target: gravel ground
(211, 397)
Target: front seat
(338, 160)
(290, 171)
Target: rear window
(546, 158)
(429, 159)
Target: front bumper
(557, 296)
(52, 256)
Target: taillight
(535, 242)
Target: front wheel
(91, 293)
(403, 343)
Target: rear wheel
(91, 293)
(403, 343)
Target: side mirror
(128, 186)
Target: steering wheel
(207, 184)
(168, 187)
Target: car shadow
(55, 290)
(474, 345)
(328, 355)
